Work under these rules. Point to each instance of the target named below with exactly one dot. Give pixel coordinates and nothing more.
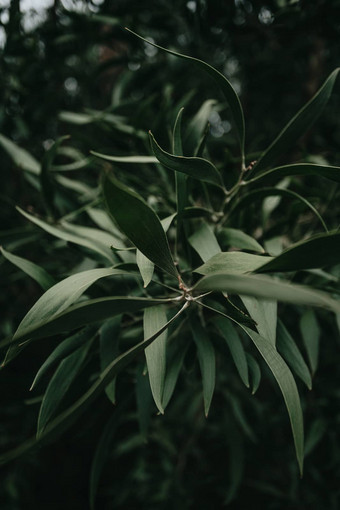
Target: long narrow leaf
(154, 318)
(267, 288)
(88, 312)
(139, 222)
(298, 125)
(261, 193)
(198, 168)
(225, 86)
(21, 157)
(64, 349)
(67, 232)
(67, 417)
(33, 270)
(55, 300)
(316, 252)
(203, 241)
(264, 313)
(235, 347)
(59, 385)
(287, 386)
(233, 262)
(290, 352)
(329, 172)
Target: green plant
(210, 214)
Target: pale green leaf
(154, 319)
(72, 234)
(145, 266)
(267, 288)
(204, 242)
(287, 386)
(233, 262)
(126, 159)
(33, 270)
(264, 313)
(234, 238)
(87, 312)
(21, 157)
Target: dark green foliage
(168, 371)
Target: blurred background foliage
(69, 67)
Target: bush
(209, 262)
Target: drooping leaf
(206, 358)
(154, 318)
(64, 349)
(139, 222)
(204, 242)
(66, 232)
(267, 288)
(33, 270)
(62, 295)
(290, 352)
(237, 239)
(261, 193)
(318, 251)
(310, 331)
(67, 417)
(55, 300)
(21, 157)
(298, 125)
(225, 86)
(88, 312)
(329, 172)
(254, 372)
(264, 313)
(287, 386)
(109, 350)
(235, 346)
(173, 369)
(59, 385)
(233, 262)
(198, 168)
